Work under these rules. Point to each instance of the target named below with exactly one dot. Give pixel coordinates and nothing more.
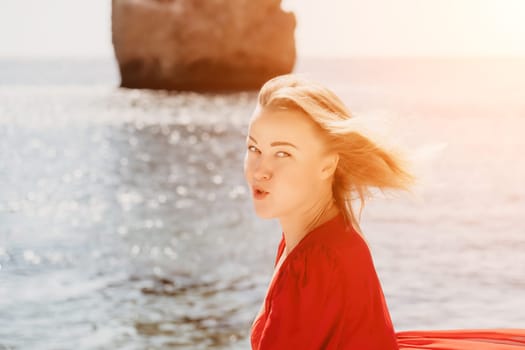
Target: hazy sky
(325, 28)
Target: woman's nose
(261, 171)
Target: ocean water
(125, 222)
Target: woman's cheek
(300, 178)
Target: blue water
(125, 221)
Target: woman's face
(284, 162)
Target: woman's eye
(252, 148)
(282, 154)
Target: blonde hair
(364, 163)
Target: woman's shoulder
(336, 248)
(333, 249)
(338, 239)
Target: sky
(332, 28)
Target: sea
(126, 223)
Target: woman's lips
(259, 194)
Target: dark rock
(202, 45)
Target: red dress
(327, 295)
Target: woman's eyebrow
(276, 143)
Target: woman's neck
(298, 226)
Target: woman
(307, 159)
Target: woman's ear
(329, 165)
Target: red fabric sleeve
(307, 303)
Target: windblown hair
(364, 163)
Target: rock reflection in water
(213, 329)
